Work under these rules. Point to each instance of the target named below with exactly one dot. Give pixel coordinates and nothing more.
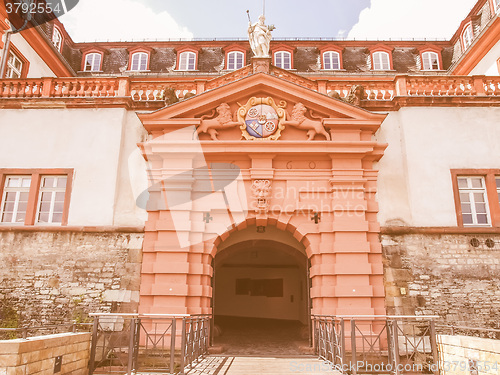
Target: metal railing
(490, 333)
(128, 343)
(25, 332)
(377, 344)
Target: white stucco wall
(95, 143)
(415, 183)
(488, 64)
(38, 68)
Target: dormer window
(17, 64)
(331, 60)
(14, 66)
(381, 61)
(92, 62)
(57, 39)
(139, 62)
(467, 36)
(187, 61)
(430, 61)
(496, 4)
(235, 60)
(283, 59)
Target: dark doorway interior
(261, 299)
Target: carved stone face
(262, 19)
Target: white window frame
(18, 190)
(472, 201)
(57, 39)
(328, 59)
(280, 59)
(468, 36)
(11, 68)
(187, 60)
(378, 60)
(53, 190)
(140, 64)
(93, 62)
(427, 60)
(235, 56)
(497, 180)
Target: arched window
(235, 60)
(331, 60)
(92, 62)
(467, 36)
(139, 62)
(430, 61)
(283, 59)
(187, 61)
(381, 61)
(57, 39)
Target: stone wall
(51, 277)
(455, 276)
(461, 355)
(39, 355)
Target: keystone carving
(261, 191)
(224, 120)
(299, 120)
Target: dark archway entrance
(261, 298)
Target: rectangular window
(92, 62)
(381, 61)
(430, 61)
(477, 196)
(473, 200)
(51, 199)
(15, 199)
(498, 187)
(35, 196)
(283, 60)
(259, 288)
(187, 61)
(14, 66)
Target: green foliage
(9, 318)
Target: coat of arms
(262, 119)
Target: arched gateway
(262, 172)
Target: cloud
(406, 19)
(116, 20)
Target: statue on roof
(259, 36)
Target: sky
(126, 20)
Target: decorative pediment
(261, 107)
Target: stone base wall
(51, 277)
(455, 276)
(38, 355)
(461, 355)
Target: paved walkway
(240, 365)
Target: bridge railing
(132, 343)
(377, 344)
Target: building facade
(188, 177)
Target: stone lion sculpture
(224, 120)
(356, 95)
(299, 120)
(169, 96)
